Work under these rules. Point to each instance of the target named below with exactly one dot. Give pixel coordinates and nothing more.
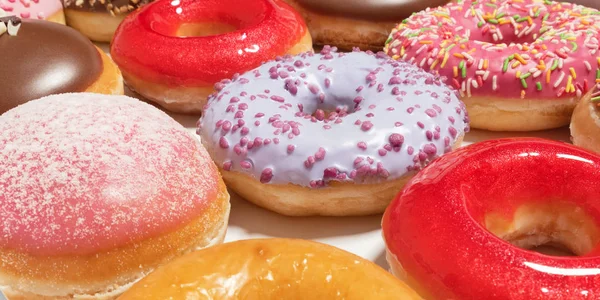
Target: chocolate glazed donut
(98, 19)
(589, 3)
(357, 23)
(45, 58)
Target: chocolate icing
(114, 7)
(379, 10)
(45, 58)
(13, 19)
(589, 3)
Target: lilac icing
(313, 118)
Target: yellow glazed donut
(270, 269)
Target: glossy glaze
(270, 269)
(387, 119)
(377, 10)
(531, 49)
(31, 9)
(82, 173)
(146, 44)
(45, 58)
(435, 226)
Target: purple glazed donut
(330, 133)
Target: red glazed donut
(461, 227)
(518, 65)
(224, 37)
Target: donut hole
(552, 228)
(321, 113)
(202, 18)
(203, 29)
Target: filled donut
(98, 19)
(173, 52)
(463, 227)
(356, 23)
(41, 58)
(518, 65)
(270, 269)
(96, 191)
(585, 123)
(330, 133)
(50, 10)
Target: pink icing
(82, 173)
(34, 9)
(530, 49)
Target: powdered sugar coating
(314, 118)
(81, 173)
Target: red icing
(434, 226)
(83, 173)
(146, 46)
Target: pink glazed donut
(95, 192)
(329, 133)
(51, 10)
(518, 65)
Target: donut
(42, 58)
(463, 227)
(518, 65)
(51, 10)
(356, 23)
(97, 191)
(330, 133)
(589, 3)
(174, 58)
(585, 124)
(98, 19)
(270, 269)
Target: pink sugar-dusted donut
(51, 10)
(518, 65)
(96, 191)
(330, 133)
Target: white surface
(359, 235)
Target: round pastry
(585, 124)
(96, 192)
(98, 19)
(356, 23)
(330, 133)
(589, 3)
(270, 269)
(51, 10)
(175, 59)
(463, 227)
(519, 66)
(44, 58)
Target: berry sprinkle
(358, 117)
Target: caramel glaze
(376, 10)
(45, 58)
(114, 7)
